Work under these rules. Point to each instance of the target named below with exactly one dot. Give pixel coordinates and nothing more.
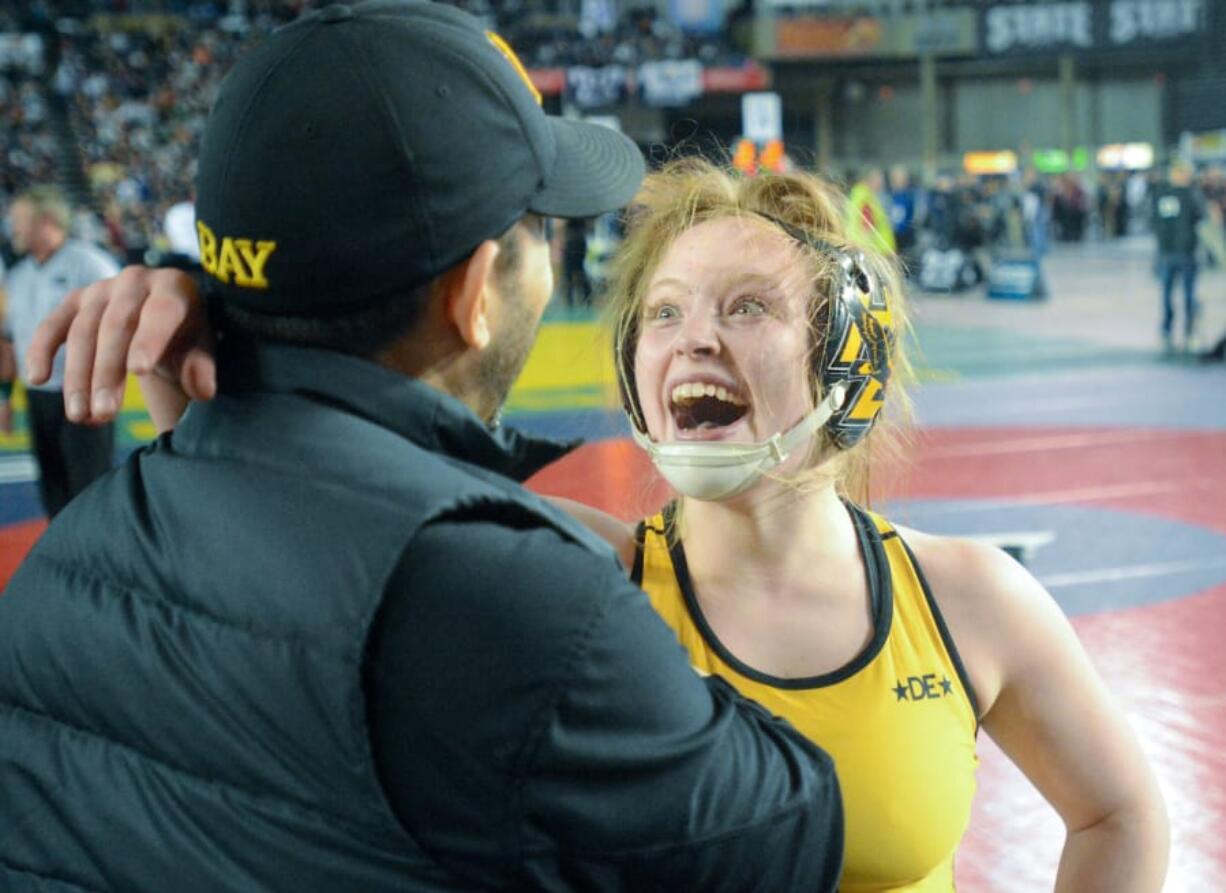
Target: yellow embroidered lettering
(228, 262)
(253, 276)
(208, 247)
(242, 260)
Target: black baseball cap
(363, 150)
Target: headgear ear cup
(857, 349)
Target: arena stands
(110, 96)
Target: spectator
(904, 201)
(1178, 209)
(69, 456)
(869, 224)
(577, 286)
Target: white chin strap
(715, 470)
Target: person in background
(868, 223)
(577, 286)
(904, 212)
(69, 456)
(1178, 208)
(179, 227)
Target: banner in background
(822, 37)
(671, 84)
(810, 36)
(592, 88)
(1091, 25)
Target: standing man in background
(904, 214)
(69, 456)
(1177, 212)
(574, 257)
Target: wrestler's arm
(1045, 705)
(616, 532)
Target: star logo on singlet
(922, 688)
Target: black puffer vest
(181, 702)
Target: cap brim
(597, 169)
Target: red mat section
(1170, 473)
(15, 542)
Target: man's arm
(536, 723)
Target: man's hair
(48, 202)
(365, 332)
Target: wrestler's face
(523, 293)
(724, 336)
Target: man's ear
(466, 295)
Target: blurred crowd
(1023, 213)
(135, 79)
(27, 146)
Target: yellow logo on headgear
(505, 48)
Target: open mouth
(698, 406)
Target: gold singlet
(899, 720)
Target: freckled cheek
(650, 366)
(779, 380)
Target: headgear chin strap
(715, 470)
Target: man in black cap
(318, 637)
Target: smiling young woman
(756, 350)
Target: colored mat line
(571, 368)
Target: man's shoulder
(506, 529)
(520, 548)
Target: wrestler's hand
(150, 322)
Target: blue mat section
(1100, 559)
(19, 502)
